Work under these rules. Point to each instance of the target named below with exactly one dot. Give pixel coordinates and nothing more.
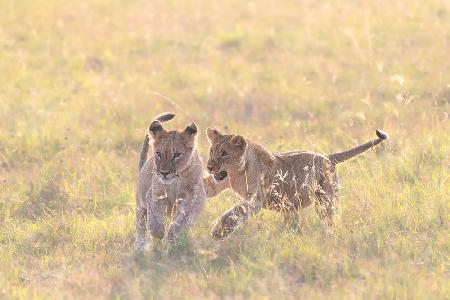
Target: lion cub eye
(158, 155)
(224, 153)
(176, 155)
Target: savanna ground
(81, 80)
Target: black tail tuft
(382, 135)
(343, 156)
(164, 117)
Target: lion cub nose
(164, 173)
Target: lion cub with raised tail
(170, 183)
(284, 182)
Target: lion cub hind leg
(327, 198)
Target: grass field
(81, 80)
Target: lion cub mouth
(220, 176)
(164, 180)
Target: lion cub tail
(343, 156)
(144, 152)
(164, 117)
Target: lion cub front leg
(229, 222)
(233, 219)
(212, 188)
(155, 216)
(186, 214)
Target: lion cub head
(172, 149)
(226, 153)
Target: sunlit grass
(80, 81)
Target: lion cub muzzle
(216, 170)
(167, 177)
(220, 176)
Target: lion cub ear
(238, 141)
(191, 130)
(155, 129)
(212, 134)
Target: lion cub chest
(239, 184)
(171, 193)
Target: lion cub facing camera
(170, 183)
(284, 182)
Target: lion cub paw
(228, 223)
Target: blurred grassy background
(80, 82)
